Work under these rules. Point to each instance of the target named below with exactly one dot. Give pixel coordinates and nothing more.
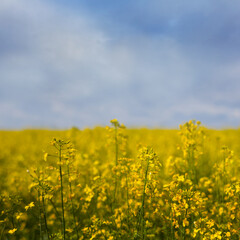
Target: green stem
(128, 210)
(171, 222)
(116, 145)
(40, 216)
(2, 232)
(73, 210)
(56, 211)
(142, 221)
(116, 162)
(61, 179)
(45, 216)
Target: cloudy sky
(151, 63)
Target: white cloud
(62, 69)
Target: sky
(155, 63)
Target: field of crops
(118, 183)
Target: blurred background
(152, 63)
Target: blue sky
(147, 63)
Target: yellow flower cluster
(117, 183)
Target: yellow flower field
(118, 183)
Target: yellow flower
(114, 121)
(228, 234)
(30, 205)
(12, 231)
(181, 178)
(45, 156)
(19, 216)
(220, 211)
(185, 222)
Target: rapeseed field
(118, 183)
